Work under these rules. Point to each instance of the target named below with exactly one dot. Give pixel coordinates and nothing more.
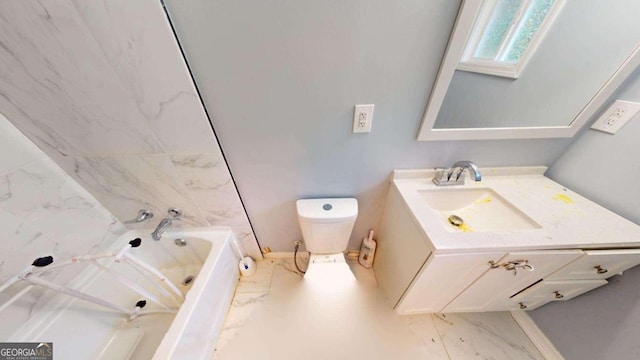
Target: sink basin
(481, 210)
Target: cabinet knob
(522, 306)
(600, 270)
(558, 295)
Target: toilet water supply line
(295, 256)
(32, 273)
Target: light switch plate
(618, 114)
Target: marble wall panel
(125, 184)
(102, 88)
(138, 43)
(207, 178)
(42, 212)
(57, 87)
(12, 142)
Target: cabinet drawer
(598, 264)
(492, 291)
(549, 290)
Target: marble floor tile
(260, 281)
(243, 305)
(279, 314)
(285, 275)
(423, 327)
(298, 317)
(492, 335)
(365, 276)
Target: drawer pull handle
(600, 270)
(513, 265)
(522, 306)
(558, 295)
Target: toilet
(326, 226)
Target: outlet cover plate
(618, 114)
(362, 118)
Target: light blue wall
(602, 324)
(280, 79)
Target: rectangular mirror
(531, 68)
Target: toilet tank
(327, 224)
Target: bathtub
(83, 330)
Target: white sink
(481, 209)
(511, 208)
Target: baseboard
(281, 255)
(289, 255)
(537, 337)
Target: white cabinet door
(402, 248)
(598, 264)
(442, 278)
(493, 290)
(549, 290)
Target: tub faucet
(455, 175)
(174, 214)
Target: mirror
(575, 65)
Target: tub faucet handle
(143, 214)
(174, 213)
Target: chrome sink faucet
(174, 214)
(455, 175)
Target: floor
(278, 314)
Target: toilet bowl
(326, 226)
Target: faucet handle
(443, 178)
(174, 212)
(441, 174)
(457, 174)
(143, 214)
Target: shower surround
(102, 88)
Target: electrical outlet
(362, 118)
(616, 116)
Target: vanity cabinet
(493, 290)
(598, 264)
(546, 291)
(425, 267)
(477, 282)
(584, 274)
(444, 276)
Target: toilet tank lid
(327, 209)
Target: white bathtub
(82, 330)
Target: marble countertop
(567, 219)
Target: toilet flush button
(327, 207)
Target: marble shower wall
(43, 212)
(102, 88)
